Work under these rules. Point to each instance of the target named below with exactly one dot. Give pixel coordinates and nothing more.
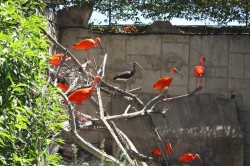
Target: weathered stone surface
(162, 27)
(181, 50)
(221, 72)
(236, 65)
(241, 88)
(212, 85)
(145, 45)
(175, 39)
(116, 49)
(214, 48)
(239, 44)
(147, 81)
(202, 124)
(74, 16)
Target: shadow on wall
(202, 124)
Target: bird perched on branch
(167, 148)
(189, 157)
(126, 75)
(199, 71)
(82, 94)
(63, 87)
(87, 44)
(56, 59)
(165, 81)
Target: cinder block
(192, 85)
(214, 48)
(241, 86)
(221, 72)
(247, 72)
(239, 44)
(216, 85)
(115, 47)
(145, 45)
(144, 61)
(178, 80)
(177, 90)
(209, 71)
(175, 39)
(179, 49)
(147, 81)
(236, 66)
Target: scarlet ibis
(63, 87)
(81, 95)
(87, 44)
(199, 71)
(187, 157)
(124, 76)
(165, 81)
(55, 60)
(167, 148)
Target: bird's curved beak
(179, 73)
(139, 65)
(101, 46)
(200, 160)
(209, 61)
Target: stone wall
(226, 79)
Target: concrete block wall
(227, 76)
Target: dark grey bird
(126, 75)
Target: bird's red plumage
(198, 71)
(162, 83)
(80, 95)
(85, 44)
(64, 87)
(188, 157)
(157, 151)
(56, 59)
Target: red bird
(166, 81)
(63, 87)
(199, 71)
(87, 44)
(167, 148)
(189, 157)
(81, 95)
(55, 60)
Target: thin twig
(126, 111)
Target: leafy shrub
(29, 110)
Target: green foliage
(221, 11)
(29, 111)
(75, 149)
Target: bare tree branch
(79, 140)
(109, 128)
(130, 146)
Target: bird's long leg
(196, 82)
(125, 85)
(200, 82)
(86, 57)
(77, 110)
